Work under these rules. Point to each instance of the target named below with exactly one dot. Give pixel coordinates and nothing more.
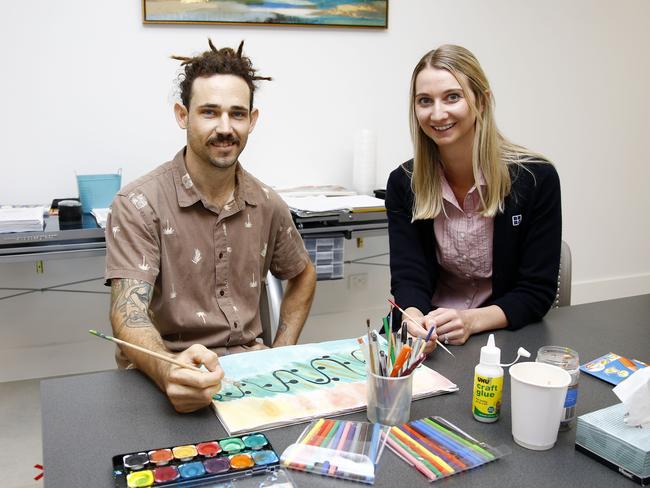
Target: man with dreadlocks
(189, 244)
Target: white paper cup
(537, 402)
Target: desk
(87, 419)
(86, 240)
(89, 240)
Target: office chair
(270, 301)
(563, 294)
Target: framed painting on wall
(333, 13)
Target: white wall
(88, 87)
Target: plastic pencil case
(196, 464)
(438, 449)
(337, 448)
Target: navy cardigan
(526, 245)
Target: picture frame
(328, 13)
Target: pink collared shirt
(464, 251)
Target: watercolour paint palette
(438, 449)
(196, 464)
(612, 367)
(277, 387)
(337, 448)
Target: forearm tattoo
(130, 303)
(282, 328)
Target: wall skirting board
(609, 288)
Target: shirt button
(220, 255)
(462, 234)
(464, 256)
(221, 293)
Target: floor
(20, 433)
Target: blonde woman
(474, 221)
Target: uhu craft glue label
(488, 384)
(486, 399)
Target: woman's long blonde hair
(491, 152)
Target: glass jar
(568, 360)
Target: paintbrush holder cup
(389, 399)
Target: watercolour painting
(289, 385)
(336, 13)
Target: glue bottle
(488, 382)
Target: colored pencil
(472, 445)
(415, 322)
(449, 443)
(156, 355)
(438, 462)
(447, 455)
(341, 443)
(417, 456)
(400, 451)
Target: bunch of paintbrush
(401, 354)
(337, 448)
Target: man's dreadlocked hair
(224, 61)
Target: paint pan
(208, 449)
(215, 460)
(233, 444)
(161, 457)
(255, 441)
(185, 453)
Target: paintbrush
(157, 355)
(415, 322)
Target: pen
(399, 362)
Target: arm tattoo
(130, 303)
(282, 328)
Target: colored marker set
(195, 464)
(438, 449)
(337, 448)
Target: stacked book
(21, 219)
(604, 436)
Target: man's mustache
(227, 138)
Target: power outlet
(358, 281)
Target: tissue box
(604, 436)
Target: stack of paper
(21, 219)
(603, 435)
(313, 191)
(100, 214)
(322, 204)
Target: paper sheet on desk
(330, 204)
(294, 384)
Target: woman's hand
(420, 328)
(452, 325)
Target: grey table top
(89, 418)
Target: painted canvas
(340, 13)
(288, 385)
